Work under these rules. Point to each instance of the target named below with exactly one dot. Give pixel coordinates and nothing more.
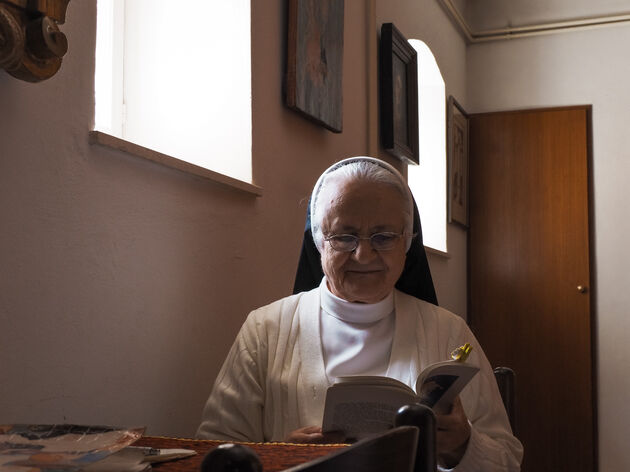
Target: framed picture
(398, 95)
(457, 146)
(315, 61)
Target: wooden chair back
(506, 380)
(393, 451)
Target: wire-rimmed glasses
(383, 241)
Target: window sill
(436, 252)
(104, 139)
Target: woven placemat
(274, 456)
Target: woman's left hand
(453, 433)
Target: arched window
(428, 180)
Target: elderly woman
(355, 322)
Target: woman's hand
(453, 433)
(314, 435)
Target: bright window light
(428, 180)
(176, 78)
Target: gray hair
(365, 169)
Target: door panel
(528, 254)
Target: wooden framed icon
(398, 95)
(457, 150)
(315, 61)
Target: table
(274, 456)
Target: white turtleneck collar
(356, 337)
(352, 312)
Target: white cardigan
(274, 379)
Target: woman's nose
(364, 251)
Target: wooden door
(529, 279)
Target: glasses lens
(343, 242)
(384, 241)
(349, 242)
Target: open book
(363, 405)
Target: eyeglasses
(384, 241)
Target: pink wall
(123, 282)
(425, 20)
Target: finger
(306, 438)
(445, 422)
(309, 430)
(449, 441)
(307, 434)
(454, 417)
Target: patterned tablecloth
(274, 456)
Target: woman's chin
(366, 293)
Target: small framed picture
(457, 146)
(398, 95)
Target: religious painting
(398, 95)
(315, 61)
(457, 131)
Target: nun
(364, 304)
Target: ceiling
(483, 17)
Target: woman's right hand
(314, 435)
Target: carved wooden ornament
(31, 44)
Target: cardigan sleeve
(234, 410)
(492, 447)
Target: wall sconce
(31, 45)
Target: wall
(483, 15)
(123, 282)
(585, 67)
(427, 21)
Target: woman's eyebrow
(381, 228)
(349, 229)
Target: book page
(360, 410)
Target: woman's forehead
(357, 203)
(344, 191)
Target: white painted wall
(586, 67)
(496, 14)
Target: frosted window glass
(186, 81)
(428, 180)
